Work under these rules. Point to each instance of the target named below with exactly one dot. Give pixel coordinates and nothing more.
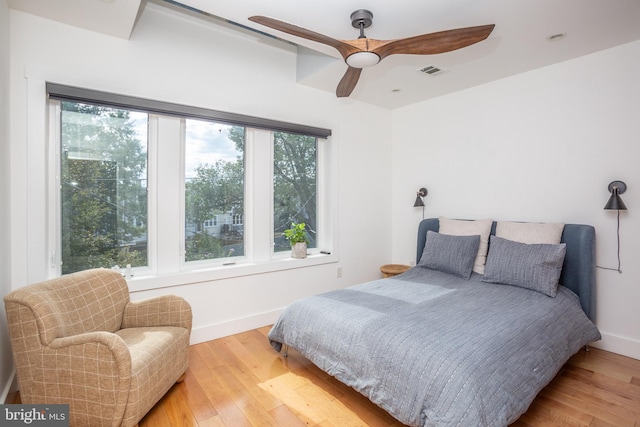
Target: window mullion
(54, 185)
(259, 194)
(168, 183)
(326, 197)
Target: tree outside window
(214, 190)
(294, 186)
(103, 193)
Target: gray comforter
(435, 350)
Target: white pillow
(530, 232)
(481, 227)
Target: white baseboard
(620, 345)
(9, 387)
(235, 326)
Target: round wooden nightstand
(389, 270)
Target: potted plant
(297, 237)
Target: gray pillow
(450, 254)
(532, 266)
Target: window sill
(148, 281)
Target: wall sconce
(616, 188)
(419, 202)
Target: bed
(435, 348)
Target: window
(165, 188)
(103, 187)
(294, 186)
(214, 190)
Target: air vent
(431, 70)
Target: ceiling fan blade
(345, 49)
(348, 82)
(433, 43)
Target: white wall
(177, 59)
(6, 359)
(540, 146)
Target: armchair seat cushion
(159, 355)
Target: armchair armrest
(114, 349)
(91, 369)
(166, 310)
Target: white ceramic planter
(299, 250)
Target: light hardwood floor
(241, 381)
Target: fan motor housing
(361, 17)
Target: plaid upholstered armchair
(78, 339)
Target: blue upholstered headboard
(578, 271)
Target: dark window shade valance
(69, 93)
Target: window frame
(167, 270)
(188, 265)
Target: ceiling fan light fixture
(362, 59)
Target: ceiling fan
(364, 52)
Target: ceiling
(521, 41)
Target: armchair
(79, 340)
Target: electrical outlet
(339, 272)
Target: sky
(207, 142)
